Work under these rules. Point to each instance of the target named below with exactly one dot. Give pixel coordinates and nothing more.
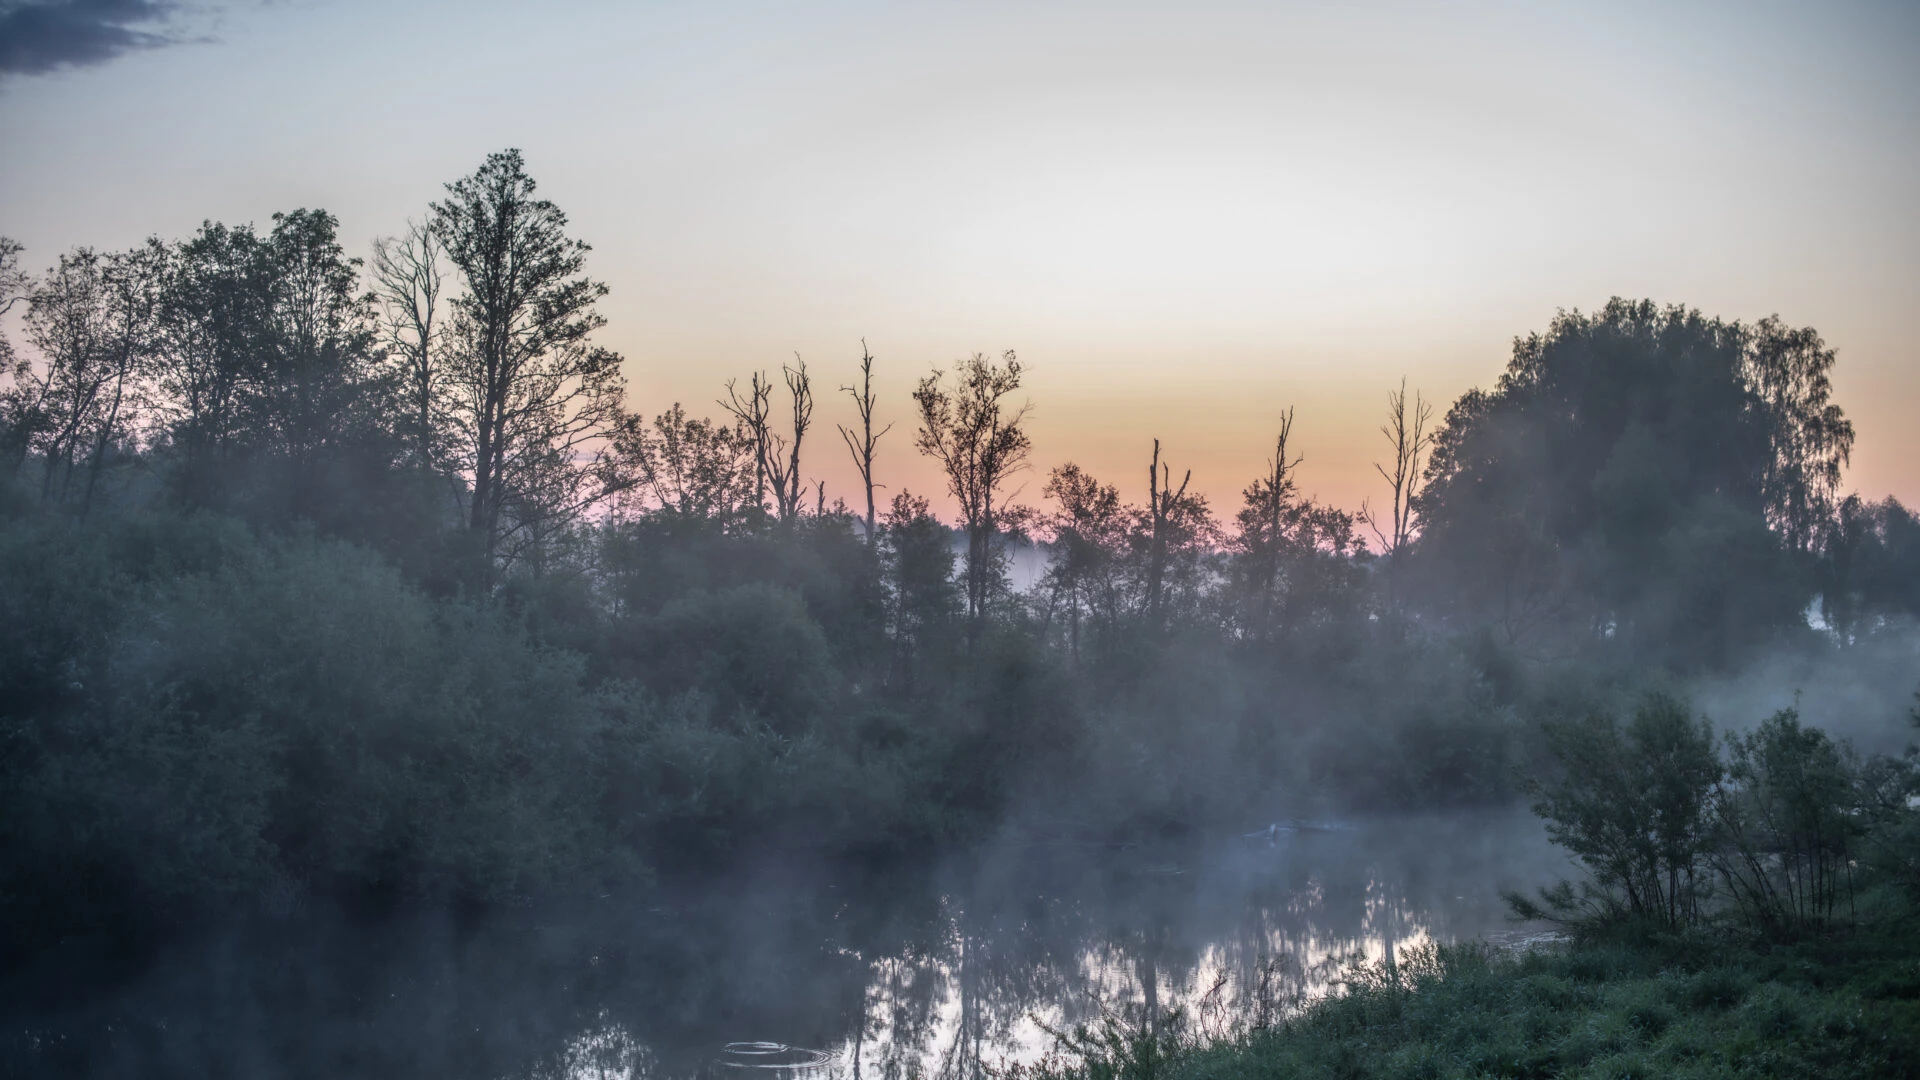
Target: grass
(1621, 1005)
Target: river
(793, 970)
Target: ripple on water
(772, 1055)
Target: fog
(932, 971)
(385, 690)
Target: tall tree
(1290, 562)
(1088, 533)
(217, 330)
(1264, 535)
(409, 278)
(93, 322)
(787, 483)
(1810, 438)
(1176, 525)
(753, 415)
(1634, 482)
(534, 402)
(776, 457)
(317, 395)
(1408, 438)
(976, 435)
(862, 448)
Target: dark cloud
(38, 36)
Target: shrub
(1632, 805)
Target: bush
(1632, 805)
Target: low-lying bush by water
(1750, 912)
(1842, 1006)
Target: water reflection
(796, 973)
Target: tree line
(330, 577)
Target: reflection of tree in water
(926, 977)
(606, 1052)
(1232, 939)
(944, 1009)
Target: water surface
(794, 970)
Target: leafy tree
(695, 468)
(534, 401)
(924, 601)
(1810, 439)
(1088, 542)
(1871, 567)
(1291, 561)
(977, 437)
(94, 322)
(319, 399)
(16, 420)
(267, 388)
(218, 308)
(1618, 483)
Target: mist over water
(795, 969)
(423, 656)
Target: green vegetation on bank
(1750, 912)
(1845, 1005)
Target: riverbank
(1845, 1004)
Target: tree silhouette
(534, 400)
(862, 448)
(976, 435)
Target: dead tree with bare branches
(409, 284)
(1407, 434)
(862, 448)
(1162, 503)
(776, 457)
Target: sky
(1185, 218)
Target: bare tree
(1161, 503)
(785, 475)
(409, 285)
(1407, 435)
(976, 435)
(776, 456)
(862, 449)
(1265, 531)
(753, 414)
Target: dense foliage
(1685, 1007)
(362, 584)
(1749, 913)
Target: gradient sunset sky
(1185, 217)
